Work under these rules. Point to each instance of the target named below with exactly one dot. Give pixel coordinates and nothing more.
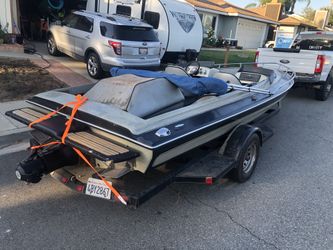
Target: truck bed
(300, 61)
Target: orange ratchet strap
(80, 100)
(114, 191)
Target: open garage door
(35, 16)
(250, 34)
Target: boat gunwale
(269, 98)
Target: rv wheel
(247, 159)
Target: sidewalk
(11, 131)
(65, 69)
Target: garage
(250, 34)
(32, 18)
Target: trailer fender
(237, 139)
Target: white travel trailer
(177, 23)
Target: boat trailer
(204, 165)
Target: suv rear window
(128, 33)
(313, 44)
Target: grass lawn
(235, 56)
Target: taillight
(257, 57)
(160, 52)
(116, 47)
(320, 64)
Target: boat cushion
(139, 96)
(229, 78)
(176, 70)
(195, 86)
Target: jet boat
(138, 120)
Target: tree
(250, 5)
(330, 12)
(260, 3)
(308, 13)
(289, 5)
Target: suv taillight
(257, 56)
(116, 47)
(320, 64)
(160, 52)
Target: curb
(14, 136)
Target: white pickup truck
(310, 56)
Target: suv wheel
(94, 67)
(52, 46)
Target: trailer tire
(325, 90)
(247, 159)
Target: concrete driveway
(287, 204)
(74, 65)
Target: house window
(208, 22)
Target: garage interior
(35, 16)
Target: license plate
(97, 188)
(143, 51)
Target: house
(292, 24)
(29, 16)
(228, 21)
(296, 24)
(9, 15)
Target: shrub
(210, 40)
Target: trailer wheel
(247, 159)
(324, 92)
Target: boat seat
(228, 78)
(139, 96)
(176, 70)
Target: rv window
(128, 33)
(123, 10)
(153, 18)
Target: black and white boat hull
(116, 130)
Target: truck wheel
(94, 66)
(247, 159)
(52, 46)
(324, 92)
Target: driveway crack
(249, 231)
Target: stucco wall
(9, 14)
(5, 14)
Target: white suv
(103, 41)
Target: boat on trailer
(132, 129)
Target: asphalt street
(287, 204)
